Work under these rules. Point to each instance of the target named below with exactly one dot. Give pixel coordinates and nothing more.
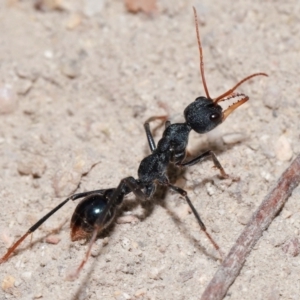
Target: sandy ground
(76, 86)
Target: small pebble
(162, 249)
(26, 276)
(283, 149)
(117, 293)
(108, 258)
(17, 283)
(105, 241)
(24, 86)
(183, 211)
(48, 54)
(35, 167)
(96, 249)
(53, 239)
(214, 228)
(287, 270)
(70, 68)
(147, 6)
(266, 175)
(93, 7)
(210, 188)
(233, 138)
(65, 182)
(155, 273)
(8, 282)
(126, 296)
(277, 240)
(74, 21)
(135, 245)
(25, 72)
(127, 219)
(185, 276)
(140, 293)
(125, 243)
(48, 5)
(254, 145)
(285, 214)
(8, 99)
(244, 216)
(292, 247)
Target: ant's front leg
(203, 156)
(149, 135)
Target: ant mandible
(97, 210)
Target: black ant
(97, 210)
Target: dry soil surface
(76, 84)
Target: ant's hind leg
(183, 193)
(37, 225)
(203, 156)
(44, 219)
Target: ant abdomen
(88, 212)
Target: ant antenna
(201, 55)
(229, 92)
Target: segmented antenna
(229, 92)
(201, 55)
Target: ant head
(205, 114)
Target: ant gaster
(97, 210)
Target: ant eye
(214, 117)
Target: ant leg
(203, 156)
(149, 135)
(183, 193)
(84, 194)
(41, 221)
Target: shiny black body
(97, 210)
